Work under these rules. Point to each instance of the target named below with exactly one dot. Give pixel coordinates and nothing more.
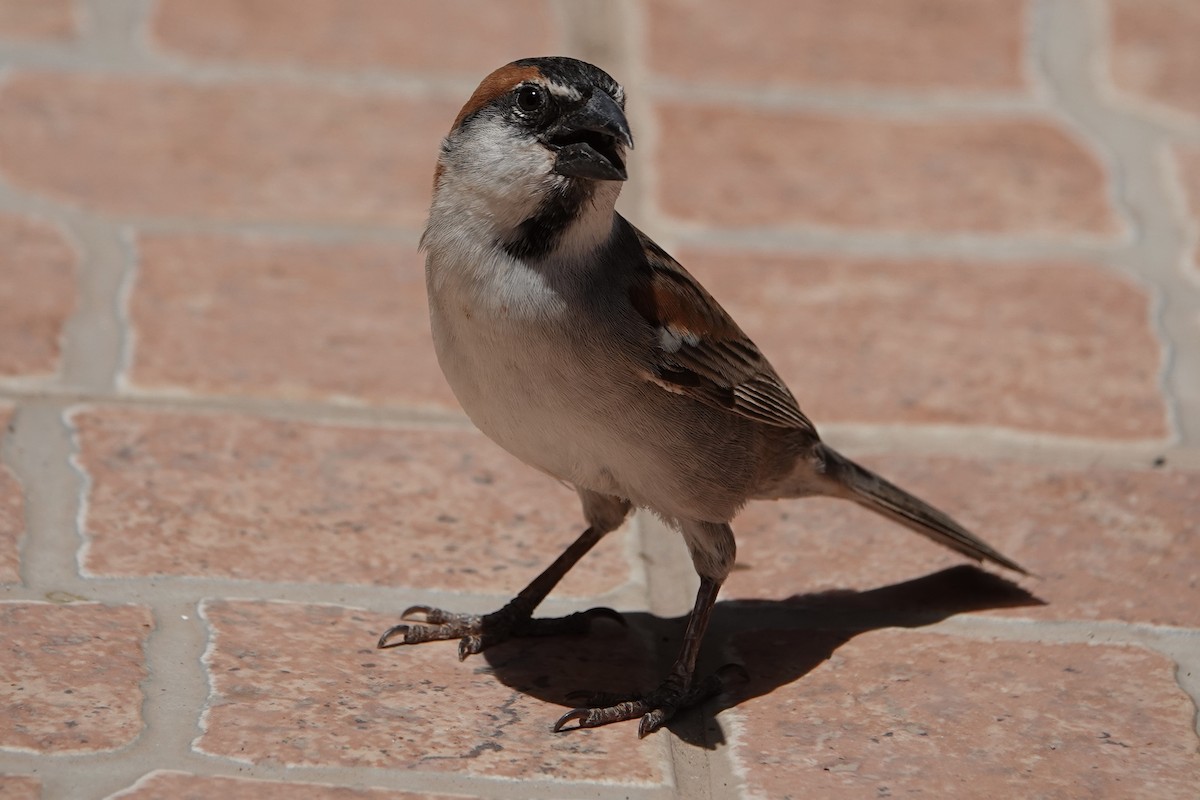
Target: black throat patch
(538, 236)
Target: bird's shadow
(627, 661)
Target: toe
(574, 715)
(652, 721)
(433, 616)
(394, 631)
(418, 613)
(470, 645)
(595, 717)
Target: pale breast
(539, 377)
(499, 342)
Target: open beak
(591, 140)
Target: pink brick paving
(966, 234)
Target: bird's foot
(477, 632)
(655, 708)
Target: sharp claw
(389, 633)
(575, 714)
(469, 646)
(651, 722)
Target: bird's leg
(477, 632)
(712, 549)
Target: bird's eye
(530, 99)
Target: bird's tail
(864, 487)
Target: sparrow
(581, 347)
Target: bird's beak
(591, 140)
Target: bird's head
(537, 142)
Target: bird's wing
(701, 352)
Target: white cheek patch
(502, 170)
(671, 340)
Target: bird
(582, 348)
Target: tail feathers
(868, 489)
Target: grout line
(897, 244)
(1072, 54)
(442, 784)
(887, 103)
(645, 213)
(315, 412)
(1095, 71)
(1042, 66)
(1061, 631)
(172, 590)
(177, 688)
(122, 307)
(97, 333)
(67, 60)
(854, 437)
(110, 30)
(38, 451)
(117, 41)
(98, 776)
(1185, 652)
(311, 232)
(1181, 371)
(985, 442)
(1166, 120)
(101, 224)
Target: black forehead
(570, 73)
(574, 73)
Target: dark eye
(530, 99)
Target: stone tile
(891, 714)
(12, 511)
(284, 319)
(20, 787)
(44, 20)
(304, 685)
(1096, 536)
(950, 342)
(890, 44)
(952, 175)
(36, 296)
(223, 495)
(185, 786)
(376, 35)
(1154, 53)
(283, 152)
(71, 676)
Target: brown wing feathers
(704, 354)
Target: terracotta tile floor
(966, 233)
